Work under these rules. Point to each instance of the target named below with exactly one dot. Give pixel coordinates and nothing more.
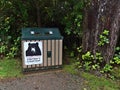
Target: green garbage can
(41, 48)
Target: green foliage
(116, 72)
(13, 18)
(70, 69)
(99, 83)
(73, 19)
(78, 64)
(10, 68)
(93, 82)
(88, 61)
(72, 54)
(117, 48)
(95, 66)
(2, 49)
(14, 49)
(16, 15)
(91, 62)
(103, 38)
(95, 61)
(87, 56)
(105, 32)
(99, 57)
(79, 49)
(116, 58)
(107, 68)
(87, 66)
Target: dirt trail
(51, 80)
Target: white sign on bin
(33, 52)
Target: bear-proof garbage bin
(41, 48)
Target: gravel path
(51, 80)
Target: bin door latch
(49, 54)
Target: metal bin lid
(41, 34)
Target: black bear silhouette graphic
(33, 49)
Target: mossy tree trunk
(101, 15)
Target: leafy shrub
(89, 62)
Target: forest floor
(67, 78)
(50, 80)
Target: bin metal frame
(51, 47)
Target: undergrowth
(10, 68)
(99, 83)
(93, 82)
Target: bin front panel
(47, 47)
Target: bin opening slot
(36, 33)
(49, 33)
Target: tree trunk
(38, 13)
(38, 17)
(101, 15)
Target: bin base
(25, 70)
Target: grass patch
(116, 72)
(92, 82)
(10, 68)
(70, 69)
(70, 66)
(97, 83)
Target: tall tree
(99, 16)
